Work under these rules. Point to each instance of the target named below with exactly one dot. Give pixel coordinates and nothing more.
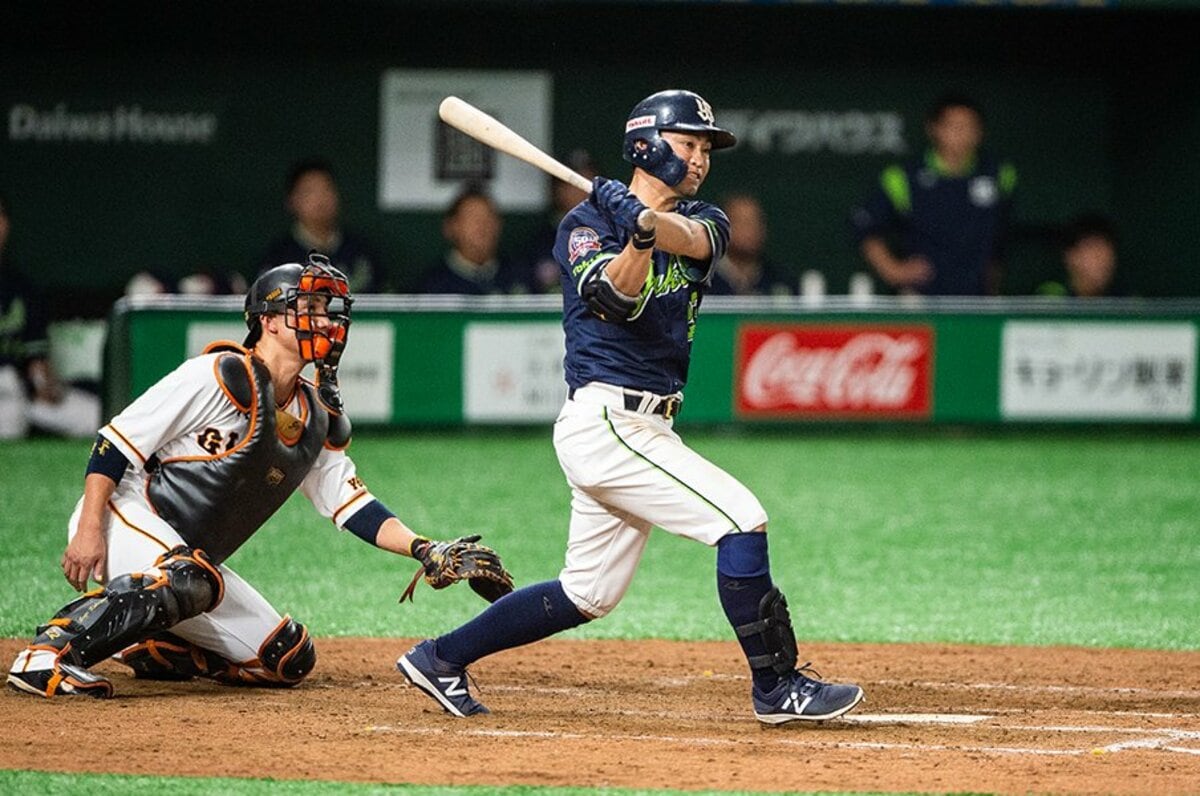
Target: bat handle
(579, 181)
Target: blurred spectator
(536, 258)
(745, 269)
(31, 393)
(472, 264)
(1089, 259)
(203, 282)
(935, 225)
(314, 203)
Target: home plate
(915, 718)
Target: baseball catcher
(183, 476)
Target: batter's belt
(641, 401)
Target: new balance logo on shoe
(452, 687)
(795, 702)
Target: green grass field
(1079, 537)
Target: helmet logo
(639, 122)
(704, 110)
(274, 294)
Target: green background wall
(1098, 108)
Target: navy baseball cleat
(443, 681)
(801, 698)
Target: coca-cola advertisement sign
(851, 371)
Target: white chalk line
(686, 680)
(1158, 744)
(1048, 689)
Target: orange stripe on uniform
(342, 507)
(113, 508)
(125, 439)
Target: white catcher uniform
(210, 458)
(190, 414)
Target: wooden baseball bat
(466, 117)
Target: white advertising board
(513, 372)
(1101, 370)
(423, 162)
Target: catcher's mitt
(445, 563)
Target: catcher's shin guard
(285, 658)
(87, 630)
(774, 627)
(165, 656)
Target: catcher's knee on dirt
(288, 654)
(774, 627)
(182, 584)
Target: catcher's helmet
(278, 289)
(678, 110)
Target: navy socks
(522, 617)
(743, 579)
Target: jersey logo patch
(582, 241)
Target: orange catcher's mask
(321, 312)
(314, 300)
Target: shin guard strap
(774, 627)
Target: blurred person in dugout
(536, 256)
(31, 394)
(473, 264)
(935, 225)
(745, 269)
(312, 200)
(1089, 259)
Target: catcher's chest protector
(217, 502)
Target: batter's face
(694, 149)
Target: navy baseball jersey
(651, 350)
(956, 222)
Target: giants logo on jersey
(851, 371)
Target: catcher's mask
(321, 320)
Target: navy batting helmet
(678, 110)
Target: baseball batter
(635, 263)
(185, 475)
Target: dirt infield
(654, 715)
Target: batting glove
(615, 200)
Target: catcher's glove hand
(444, 563)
